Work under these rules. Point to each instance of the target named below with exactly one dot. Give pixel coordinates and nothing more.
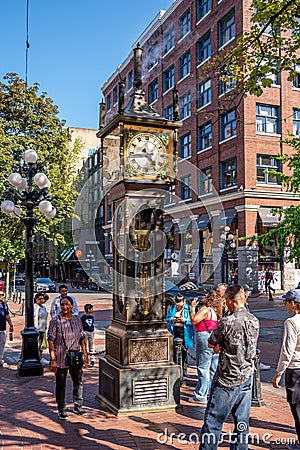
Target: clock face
(146, 153)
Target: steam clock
(138, 151)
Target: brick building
(225, 147)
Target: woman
(178, 318)
(205, 321)
(40, 320)
(65, 333)
(289, 360)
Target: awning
(183, 225)
(226, 217)
(202, 222)
(268, 218)
(67, 253)
(168, 225)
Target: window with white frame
(204, 136)
(153, 56)
(204, 93)
(266, 163)
(228, 125)
(296, 122)
(184, 64)
(168, 78)
(153, 91)
(185, 187)
(267, 119)
(170, 196)
(204, 48)
(168, 40)
(296, 78)
(274, 77)
(168, 112)
(203, 8)
(115, 95)
(228, 173)
(227, 81)
(184, 24)
(226, 28)
(185, 106)
(185, 145)
(205, 181)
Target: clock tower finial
(137, 67)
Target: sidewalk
(28, 418)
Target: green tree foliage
(28, 120)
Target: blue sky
(75, 45)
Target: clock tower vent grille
(151, 390)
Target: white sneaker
(264, 366)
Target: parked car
(189, 291)
(101, 281)
(44, 285)
(19, 280)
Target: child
(88, 320)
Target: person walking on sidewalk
(65, 333)
(289, 359)
(4, 317)
(268, 279)
(205, 321)
(40, 320)
(88, 321)
(55, 309)
(235, 339)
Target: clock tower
(138, 158)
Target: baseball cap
(293, 294)
(247, 288)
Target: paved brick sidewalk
(28, 417)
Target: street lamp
(227, 245)
(29, 189)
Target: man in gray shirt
(235, 339)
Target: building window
(265, 163)
(168, 112)
(267, 119)
(153, 56)
(226, 29)
(296, 122)
(109, 213)
(185, 146)
(153, 91)
(228, 172)
(184, 64)
(296, 79)
(168, 40)
(204, 93)
(185, 187)
(115, 95)
(108, 102)
(168, 77)
(204, 48)
(184, 24)
(130, 80)
(205, 181)
(227, 81)
(203, 8)
(204, 136)
(228, 125)
(185, 106)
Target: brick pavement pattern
(28, 414)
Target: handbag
(44, 344)
(74, 358)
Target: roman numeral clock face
(146, 153)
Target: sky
(75, 45)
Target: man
(235, 338)
(268, 280)
(221, 289)
(55, 309)
(4, 317)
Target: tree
(29, 119)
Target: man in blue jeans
(235, 339)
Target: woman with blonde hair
(205, 321)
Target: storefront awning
(202, 222)
(226, 217)
(268, 218)
(183, 225)
(67, 253)
(168, 225)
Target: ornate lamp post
(29, 189)
(227, 245)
